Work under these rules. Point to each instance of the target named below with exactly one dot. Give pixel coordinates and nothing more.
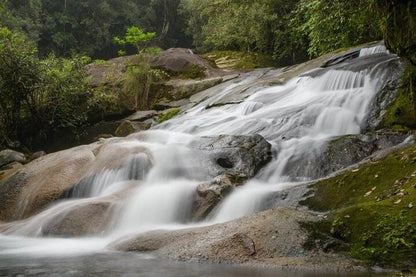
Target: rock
(9, 156)
(211, 193)
(128, 127)
(10, 190)
(110, 71)
(141, 115)
(343, 152)
(272, 237)
(386, 96)
(236, 95)
(178, 60)
(165, 104)
(233, 155)
(180, 89)
(42, 181)
(38, 154)
(85, 219)
(103, 136)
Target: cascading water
(297, 118)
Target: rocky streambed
(235, 176)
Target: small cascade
(158, 204)
(107, 180)
(373, 50)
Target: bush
(38, 98)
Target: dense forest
(45, 44)
(289, 30)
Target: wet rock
(42, 181)
(272, 237)
(343, 152)
(83, 220)
(10, 189)
(142, 115)
(211, 193)
(289, 197)
(180, 89)
(233, 155)
(165, 104)
(128, 127)
(9, 156)
(386, 96)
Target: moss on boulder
(370, 211)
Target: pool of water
(131, 264)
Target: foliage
(399, 29)
(140, 75)
(19, 81)
(38, 97)
(218, 25)
(135, 36)
(195, 72)
(331, 24)
(88, 26)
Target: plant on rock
(140, 75)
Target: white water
(373, 50)
(297, 118)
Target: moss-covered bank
(371, 211)
(402, 113)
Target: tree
(38, 97)
(333, 24)
(19, 80)
(136, 37)
(399, 26)
(140, 75)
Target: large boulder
(42, 181)
(179, 60)
(274, 237)
(9, 156)
(235, 155)
(86, 219)
(342, 152)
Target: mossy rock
(167, 115)
(371, 213)
(401, 113)
(128, 127)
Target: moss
(196, 72)
(402, 111)
(98, 61)
(167, 115)
(370, 211)
(125, 129)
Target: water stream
(156, 186)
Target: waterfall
(373, 50)
(149, 178)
